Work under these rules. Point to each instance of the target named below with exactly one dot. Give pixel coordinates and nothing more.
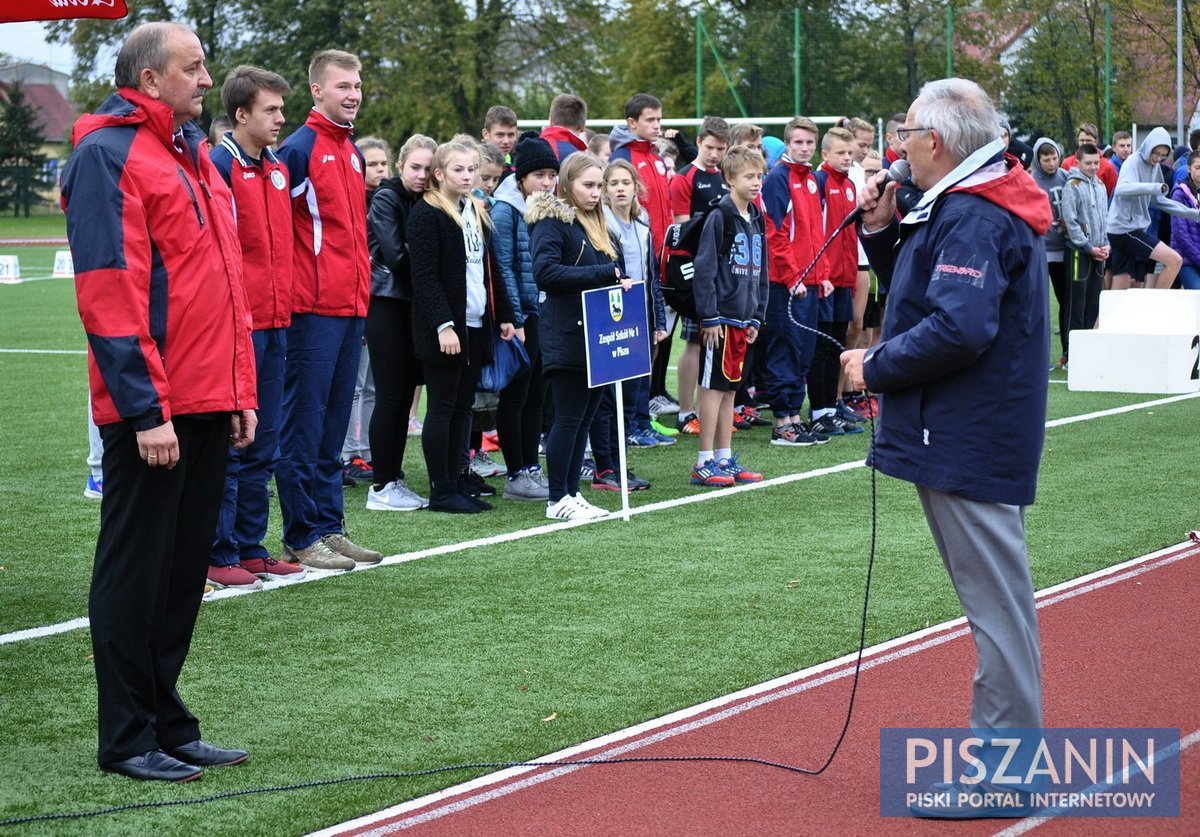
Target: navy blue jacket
(511, 245)
(564, 264)
(732, 288)
(965, 345)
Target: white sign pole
(622, 462)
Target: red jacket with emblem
(158, 268)
(263, 209)
(656, 199)
(795, 228)
(840, 201)
(331, 264)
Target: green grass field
(461, 657)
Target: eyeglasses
(903, 133)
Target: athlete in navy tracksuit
(332, 283)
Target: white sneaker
(414, 426)
(484, 466)
(591, 511)
(403, 488)
(573, 507)
(660, 404)
(391, 498)
(564, 509)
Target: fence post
(795, 61)
(699, 64)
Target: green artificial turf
(504, 651)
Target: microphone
(898, 173)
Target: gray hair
(146, 48)
(960, 112)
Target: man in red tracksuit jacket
(253, 100)
(331, 286)
(795, 232)
(635, 142)
(158, 279)
(837, 309)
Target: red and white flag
(12, 11)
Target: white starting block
(10, 270)
(64, 265)
(1148, 341)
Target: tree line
(435, 66)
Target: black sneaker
(846, 414)
(476, 485)
(848, 427)
(827, 425)
(806, 431)
(357, 470)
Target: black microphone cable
(619, 760)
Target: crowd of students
(372, 279)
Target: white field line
(498, 784)
(43, 351)
(535, 531)
(1030, 823)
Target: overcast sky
(28, 41)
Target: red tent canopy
(12, 11)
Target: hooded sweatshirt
(1139, 186)
(1052, 185)
(650, 168)
(1085, 212)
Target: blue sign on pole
(616, 326)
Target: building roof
(55, 113)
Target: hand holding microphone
(877, 203)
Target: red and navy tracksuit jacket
(158, 268)
(332, 266)
(795, 226)
(564, 141)
(840, 200)
(656, 199)
(263, 209)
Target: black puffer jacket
(439, 281)
(564, 264)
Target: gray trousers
(983, 548)
(358, 441)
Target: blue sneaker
(740, 475)
(94, 489)
(641, 439)
(711, 475)
(662, 438)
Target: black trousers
(156, 536)
(449, 397)
(826, 366)
(574, 408)
(397, 374)
(519, 414)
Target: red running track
(1118, 651)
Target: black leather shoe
(203, 753)
(154, 765)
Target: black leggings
(826, 366)
(397, 373)
(1062, 293)
(574, 407)
(519, 413)
(450, 394)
